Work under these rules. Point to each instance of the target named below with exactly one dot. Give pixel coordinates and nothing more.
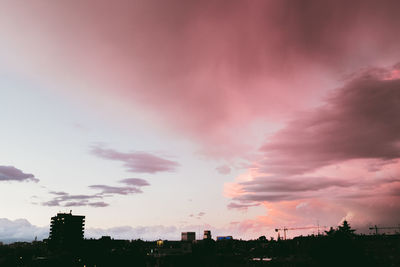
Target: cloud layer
(20, 230)
(344, 154)
(242, 61)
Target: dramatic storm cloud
(205, 66)
(10, 173)
(359, 121)
(346, 151)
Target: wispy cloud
(132, 186)
(241, 206)
(140, 162)
(223, 169)
(106, 189)
(67, 200)
(135, 182)
(198, 215)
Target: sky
(156, 117)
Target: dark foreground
(346, 250)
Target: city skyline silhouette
(153, 118)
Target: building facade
(188, 236)
(207, 234)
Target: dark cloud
(359, 121)
(142, 162)
(272, 189)
(294, 184)
(223, 169)
(10, 173)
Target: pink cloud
(197, 67)
(357, 121)
(214, 71)
(241, 206)
(342, 156)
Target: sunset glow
(156, 117)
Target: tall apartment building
(66, 229)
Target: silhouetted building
(207, 234)
(188, 236)
(221, 238)
(66, 229)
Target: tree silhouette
(331, 232)
(262, 238)
(345, 229)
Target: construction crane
(376, 228)
(285, 229)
